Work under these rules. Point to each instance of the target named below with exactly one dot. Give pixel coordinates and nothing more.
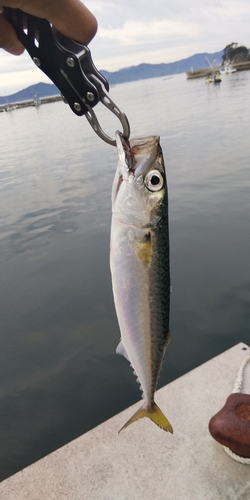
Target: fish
(139, 263)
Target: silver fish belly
(139, 261)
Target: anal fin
(122, 351)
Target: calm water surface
(59, 372)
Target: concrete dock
(144, 462)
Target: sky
(131, 32)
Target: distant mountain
(39, 90)
(143, 71)
(133, 73)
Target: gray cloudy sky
(135, 31)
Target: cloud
(18, 73)
(134, 32)
(137, 41)
(14, 63)
(21, 80)
(161, 31)
(158, 31)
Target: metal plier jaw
(69, 65)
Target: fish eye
(154, 180)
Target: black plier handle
(69, 65)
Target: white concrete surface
(144, 462)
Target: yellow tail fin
(154, 413)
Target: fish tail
(154, 413)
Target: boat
(217, 77)
(213, 78)
(36, 101)
(209, 79)
(8, 107)
(227, 69)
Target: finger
(71, 17)
(8, 38)
(75, 21)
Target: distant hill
(133, 73)
(143, 71)
(39, 90)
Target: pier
(144, 462)
(202, 73)
(36, 102)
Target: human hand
(70, 17)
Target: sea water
(59, 372)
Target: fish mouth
(136, 154)
(125, 154)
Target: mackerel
(139, 261)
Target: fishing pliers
(70, 67)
